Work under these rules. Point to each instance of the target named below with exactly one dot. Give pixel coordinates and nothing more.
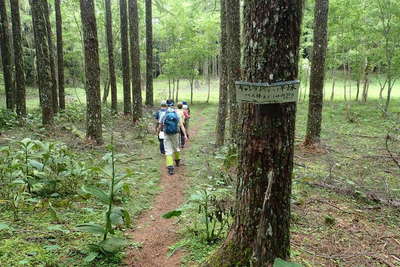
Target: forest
(291, 156)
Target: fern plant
(108, 246)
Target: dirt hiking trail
(155, 233)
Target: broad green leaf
(98, 193)
(171, 214)
(91, 228)
(91, 257)
(113, 245)
(36, 164)
(4, 226)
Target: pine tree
(20, 94)
(110, 49)
(92, 72)
(125, 56)
(260, 232)
(135, 60)
(5, 46)
(149, 54)
(317, 73)
(45, 81)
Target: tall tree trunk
(169, 88)
(45, 81)
(149, 54)
(388, 97)
(317, 73)
(306, 83)
(93, 99)
(106, 90)
(110, 48)
(54, 88)
(207, 69)
(60, 55)
(177, 91)
(5, 45)
(333, 85)
(345, 82)
(365, 82)
(135, 60)
(173, 89)
(125, 57)
(191, 81)
(223, 81)
(260, 232)
(20, 94)
(234, 72)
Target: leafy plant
(113, 216)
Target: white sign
(264, 93)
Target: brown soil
(154, 233)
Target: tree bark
(92, 72)
(149, 54)
(333, 85)
(223, 81)
(54, 87)
(20, 93)
(365, 82)
(234, 72)
(260, 232)
(135, 60)
(60, 55)
(45, 80)
(177, 91)
(110, 50)
(317, 73)
(125, 57)
(5, 46)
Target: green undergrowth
(44, 232)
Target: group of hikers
(172, 130)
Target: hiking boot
(171, 170)
(177, 162)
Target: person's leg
(182, 139)
(162, 150)
(176, 149)
(169, 150)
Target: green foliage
(282, 263)
(114, 216)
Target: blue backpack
(171, 121)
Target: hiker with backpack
(157, 116)
(186, 113)
(170, 124)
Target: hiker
(170, 123)
(181, 115)
(186, 113)
(157, 116)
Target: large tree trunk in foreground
(54, 88)
(317, 73)
(135, 60)
(260, 232)
(20, 94)
(45, 80)
(60, 55)
(5, 45)
(149, 54)
(110, 50)
(233, 51)
(92, 72)
(125, 57)
(223, 81)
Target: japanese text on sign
(264, 93)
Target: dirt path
(155, 233)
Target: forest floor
(349, 227)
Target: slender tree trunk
(388, 97)
(5, 45)
(110, 49)
(45, 81)
(106, 91)
(60, 55)
(173, 88)
(345, 70)
(135, 60)
(366, 82)
(223, 81)
(234, 72)
(306, 84)
(333, 85)
(93, 99)
(125, 57)
(169, 88)
(20, 99)
(149, 54)
(54, 87)
(208, 78)
(177, 91)
(317, 78)
(191, 81)
(260, 233)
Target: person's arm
(183, 129)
